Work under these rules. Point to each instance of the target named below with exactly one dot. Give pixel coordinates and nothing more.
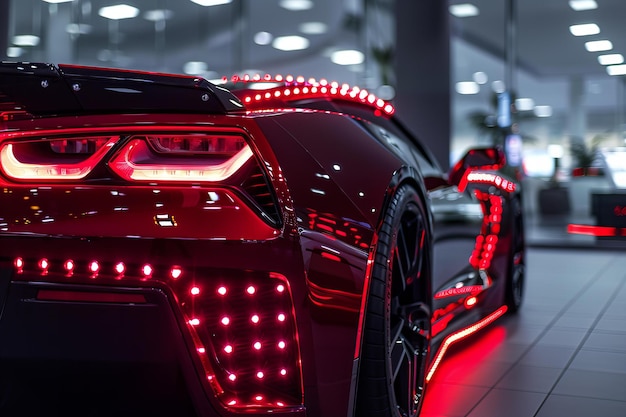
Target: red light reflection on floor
(456, 386)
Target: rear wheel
(516, 274)
(397, 322)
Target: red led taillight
(58, 159)
(487, 240)
(242, 323)
(201, 158)
(250, 326)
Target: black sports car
(171, 246)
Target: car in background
(171, 246)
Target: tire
(396, 329)
(514, 292)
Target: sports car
(171, 246)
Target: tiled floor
(564, 354)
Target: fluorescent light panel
(463, 10)
(296, 5)
(611, 59)
(290, 43)
(347, 57)
(598, 46)
(118, 12)
(208, 3)
(585, 29)
(580, 5)
(616, 69)
(467, 87)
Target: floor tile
(530, 378)
(571, 406)
(593, 384)
(516, 404)
(451, 400)
(601, 340)
(547, 356)
(600, 360)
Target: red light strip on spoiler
(299, 88)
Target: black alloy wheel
(516, 273)
(396, 331)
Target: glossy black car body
(170, 246)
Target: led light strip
(461, 334)
(298, 87)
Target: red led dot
(120, 268)
(257, 345)
(225, 321)
(195, 291)
(176, 272)
(254, 319)
(280, 288)
(146, 270)
(281, 344)
(232, 402)
(201, 350)
(281, 317)
(283, 372)
(260, 375)
(43, 263)
(228, 349)
(94, 266)
(259, 398)
(280, 404)
(69, 265)
(221, 291)
(232, 377)
(19, 263)
(250, 290)
(194, 322)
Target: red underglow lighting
(598, 231)
(461, 334)
(195, 291)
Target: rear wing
(39, 89)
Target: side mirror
(491, 159)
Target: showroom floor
(564, 354)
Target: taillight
(199, 158)
(242, 324)
(246, 335)
(57, 159)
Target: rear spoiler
(40, 89)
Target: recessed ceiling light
(543, 111)
(296, 5)
(158, 15)
(25, 40)
(616, 69)
(207, 3)
(57, 1)
(463, 10)
(467, 87)
(290, 43)
(263, 38)
(598, 46)
(14, 52)
(580, 5)
(347, 57)
(118, 11)
(524, 104)
(313, 28)
(585, 29)
(195, 67)
(611, 59)
(480, 77)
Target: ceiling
(221, 37)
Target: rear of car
(146, 261)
